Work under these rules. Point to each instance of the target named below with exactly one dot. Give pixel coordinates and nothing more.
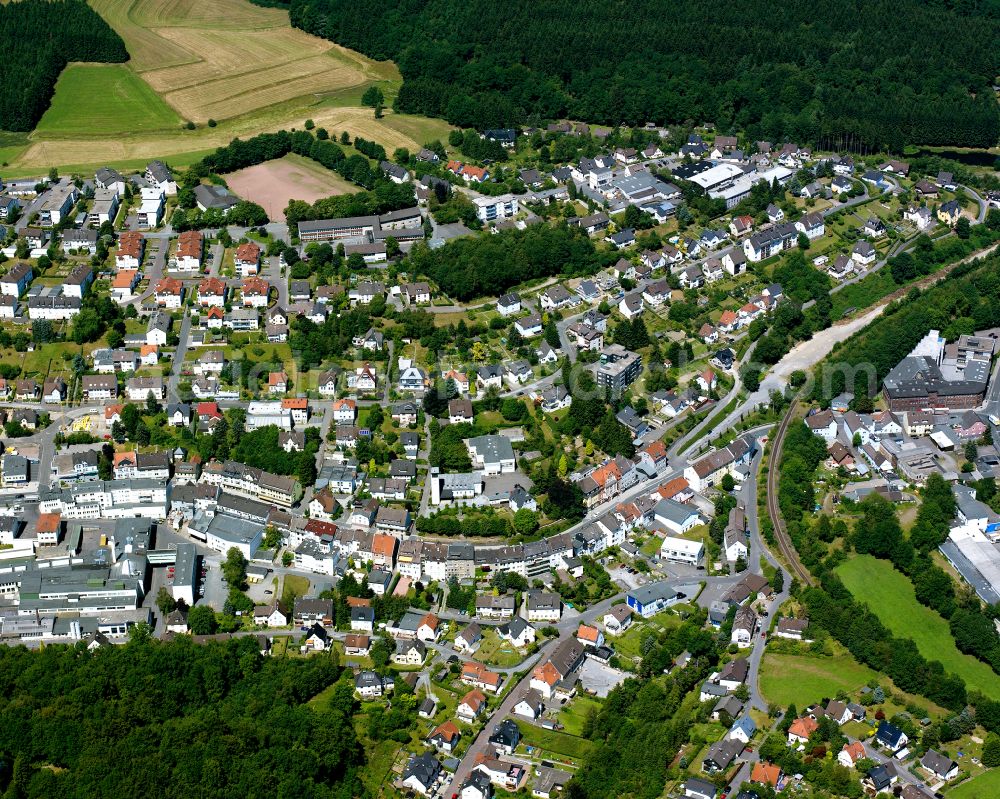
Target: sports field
(891, 597)
(802, 680)
(93, 99)
(272, 184)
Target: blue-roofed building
(648, 600)
(891, 737)
(743, 729)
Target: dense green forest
(174, 719)
(847, 75)
(488, 265)
(38, 39)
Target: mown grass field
(891, 597)
(573, 715)
(104, 99)
(494, 651)
(556, 743)
(985, 786)
(802, 680)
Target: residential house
(949, 213)
(720, 755)
(444, 737)
(864, 253)
(190, 246)
(939, 766)
(471, 706)
(801, 730)
(891, 737)
(247, 259)
(851, 753)
(509, 304)
(744, 627)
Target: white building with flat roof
(185, 574)
(718, 175)
(150, 208)
(222, 532)
(262, 414)
(489, 209)
(681, 550)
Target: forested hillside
(177, 719)
(861, 74)
(38, 38)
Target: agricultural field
(271, 185)
(891, 597)
(93, 99)
(803, 679)
(229, 57)
(240, 65)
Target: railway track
(773, 510)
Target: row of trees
(832, 607)
(879, 533)
(640, 727)
(792, 72)
(382, 195)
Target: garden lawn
(559, 743)
(985, 786)
(294, 586)
(890, 596)
(651, 546)
(802, 680)
(494, 651)
(573, 715)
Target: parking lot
(599, 679)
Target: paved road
(271, 271)
(684, 444)
(567, 629)
(215, 260)
(981, 201)
(178, 363)
(154, 265)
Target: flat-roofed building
(184, 587)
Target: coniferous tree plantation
(851, 75)
(176, 719)
(39, 38)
